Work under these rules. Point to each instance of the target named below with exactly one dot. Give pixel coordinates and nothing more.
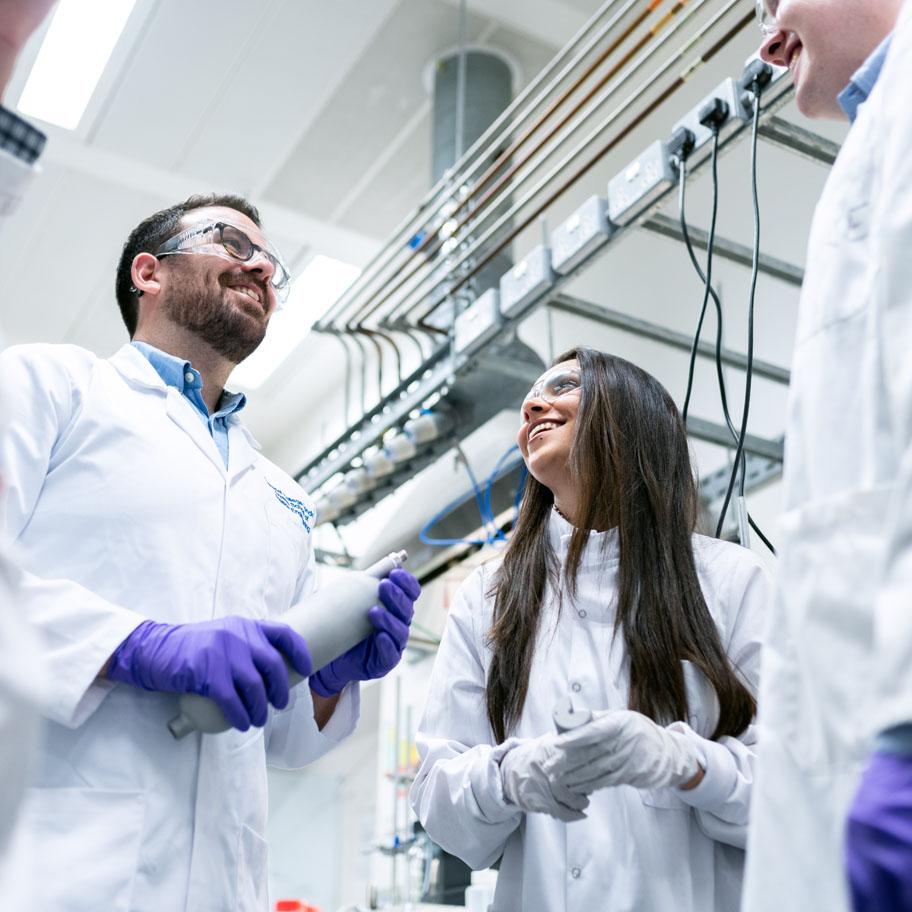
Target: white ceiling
(318, 112)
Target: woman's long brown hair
(631, 465)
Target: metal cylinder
(464, 106)
(488, 92)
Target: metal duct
(471, 90)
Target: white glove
(633, 750)
(531, 773)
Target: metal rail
(806, 143)
(729, 250)
(664, 335)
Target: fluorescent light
(72, 57)
(317, 288)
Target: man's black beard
(215, 321)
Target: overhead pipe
(581, 172)
(421, 217)
(482, 216)
(561, 166)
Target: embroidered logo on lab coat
(304, 513)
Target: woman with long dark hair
(605, 599)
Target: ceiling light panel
(72, 58)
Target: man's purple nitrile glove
(879, 836)
(379, 653)
(238, 662)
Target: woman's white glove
(632, 750)
(532, 771)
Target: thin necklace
(560, 514)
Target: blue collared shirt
(860, 86)
(186, 380)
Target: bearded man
(160, 549)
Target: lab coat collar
(242, 448)
(135, 368)
(600, 546)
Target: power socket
(478, 323)
(526, 282)
(640, 184)
(580, 235)
(722, 106)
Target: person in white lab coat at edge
(159, 546)
(22, 677)
(653, 628)
(831, 824)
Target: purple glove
(879, 836)
(379, 653)
(236, 661)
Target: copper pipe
(476, 244)
(521, 141)
(612, 72)
(434, 235)
(390, 341)
(410, 273)
(581, 172)
(410, 224)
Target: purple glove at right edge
(379, 653)
(236, 661)
(879, 837)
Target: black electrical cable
(723, 396)
(708, 277)
(710, 292)
(750, 315)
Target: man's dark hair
(152, 232)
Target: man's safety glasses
(555, 386)
(230, 242)
(766, 16)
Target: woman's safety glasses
(555, 385)
(766, 16)
(230, 242)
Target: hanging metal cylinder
(488, 90)
(471, 89)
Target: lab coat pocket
(286, 560)
(252, 893)
(92, 867)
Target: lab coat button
(575, 873)
(582, 612)
(576, 687)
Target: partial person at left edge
(160, 549)
(21, 675)
(21, 143)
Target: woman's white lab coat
(638, 850)
(838, 655)
(122, 509)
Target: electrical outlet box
(580, 235)
(640, 184)
(478, 323)
(726, 92)
(526, 282)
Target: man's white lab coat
(122, 509)
(838, 653)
